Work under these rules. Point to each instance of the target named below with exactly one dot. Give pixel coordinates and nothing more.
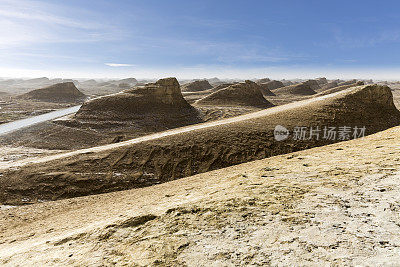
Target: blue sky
(200, 38)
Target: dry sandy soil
(303, 209)
(12, 108)
(10, 154)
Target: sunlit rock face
(196, 86)
(247, 93)
(60, 92)
(154, 103)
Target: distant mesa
(156, 105)
(8, 82)
(347, 82)
(124, 85)
(369, 81)
(287, 82)
(130, 81)
(305, 88)
(89, 82)
(263, 80)
(196, 86)
(38, 80)
(214, 80)
(247, 93)
(272, 85)
(60, 92)
(321, 81)
(329, 85)
(104, 84)
(313, 84)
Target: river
(19, 124)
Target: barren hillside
(304, 208)
(182, 152)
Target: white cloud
(41, 16)
(118, 65)
(348, 40)
(25, 23)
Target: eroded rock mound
(305, 88)
(272, 85)
(322, 80)
(154, 104)
(265, 90)
(130, 81)
(313, 84)
(287, 82)
(329, 85)
(196, 86)
(263, 80)
(61, 92)
(247, 93)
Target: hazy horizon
(382, 75)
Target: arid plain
(169, 172)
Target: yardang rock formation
(61, 92)
(247, 94)
(203, 149)
(196, 86)
(159, 104)
(305, 88)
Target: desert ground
(301, 208)
(191, 173)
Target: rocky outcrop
(305, 88)
(130, 81)
(322, 81)
(159, 105)
(61, 92)
(272, 85)
(214, 81)
(196, 86)
(329, 85)
(247, 93)
(264, 80)
(287, 82)
(313, 84)
(264, 88)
